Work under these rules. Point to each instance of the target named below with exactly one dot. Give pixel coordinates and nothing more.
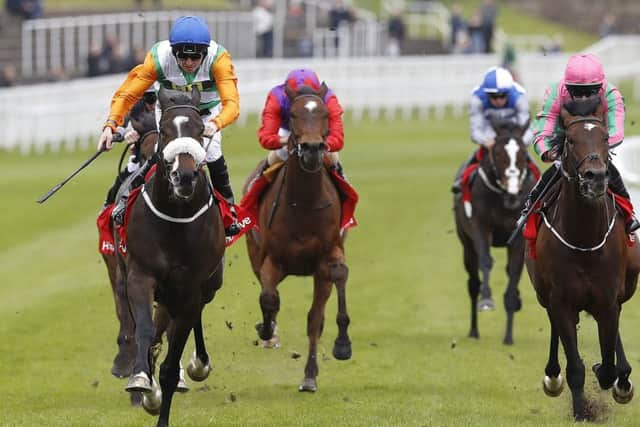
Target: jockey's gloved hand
(105, 140)
(131, 136)
(551, 155)
(210, 129)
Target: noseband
(159, 143)
(589, 157)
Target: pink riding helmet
(303, 77)
(584, 69)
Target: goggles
(583, 91)
(498, 95)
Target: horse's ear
(493, 120)
(600, 111)
(565, 116)
(163, 98)
(290, 93)
(323, 90)
(524, 127)
(195, 96)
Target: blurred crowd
(474, 35)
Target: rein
(589, 157)
(577, 248)
(497, 186)
(297, 147)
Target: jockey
(498, 97)
(188, 57)
(145, 105)
(583, 77)
(274, 131)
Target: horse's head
(309, 125)
(508, 158)
(180, 144)
(585, 156)
(144, 122)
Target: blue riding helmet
(497, 80)
(189, 36)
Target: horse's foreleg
(608, 335)
(481, 243)
(124, 360)
(199, 366)
(270, 276)
(342, 345)
(170, 368)
(512, 301)
(140, 294)
(564, 320)
(622, 388)
(553, 383)
(473, 283)
(315, 323)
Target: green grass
(412, 363)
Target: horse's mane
(583, 107)
(179, 98)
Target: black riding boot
(220, 180)
(133, 180)
(617, 186)
(120, 178)
(545, 180)
(457, 184)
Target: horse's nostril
(589, 176)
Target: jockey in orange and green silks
(583, 78)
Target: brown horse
(583, 260)
(497, 196)
(146, 127)
(299, 231)
(175, 253)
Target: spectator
(295, 30)
(340, 14)
(488, 11)
(8, 76)
(458, 25)
(397, 31)
(156, 4)
(477, 43)
(555, 46)
(26, 9)
(263, 24)
(608, 25)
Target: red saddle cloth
(250, 201)
(106, 240)
(530, 231)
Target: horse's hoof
(139, 382)
(620, 395)
(596, 369)
(486, 304)
(152, 401)
(197, 370)
(273, 341)
(308, 384)
(553, 386)
(342, 350)
(182, 386)
(507, 341)
(474, 334)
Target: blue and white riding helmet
(497, 80)
(190, 37)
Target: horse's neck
(302, 187)
(583, 221)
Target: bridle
(296, 147)
(573, 174)
(496, 185)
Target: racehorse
(146, 127)
(497, 196)
(299, 231)
(175, 253)
(598, 270)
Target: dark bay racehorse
(497, 196)
(175, 253)
(300, 231)
(146, 127)
(583, 260)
